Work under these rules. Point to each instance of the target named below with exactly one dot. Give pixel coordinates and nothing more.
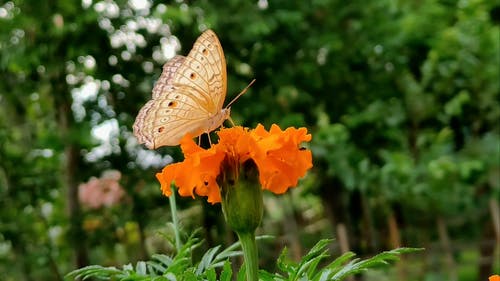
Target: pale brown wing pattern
(205, 70)
(189, 93)
(167, 75)
(167, 120)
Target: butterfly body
(188, 97)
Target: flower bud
(241, 194)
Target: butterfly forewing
(190, 91)
(205, 71)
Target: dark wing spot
(161, 129)
(177, 97)
(192, 75)
(204, 52)
(172, 104)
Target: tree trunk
(342, 237)
(343, 242)
(447, 250)
(490, 239)
(495, 218)
(332, 195)
(394, 235)
(77, 235)
(395, 242)
(70, 165)
(368, 229)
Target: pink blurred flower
(99, 192)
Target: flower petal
(277, 154)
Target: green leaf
(93, 271)
(336, 265)
(226, 272)
(266, 276)
(356, 266)
(211, 274)
(241, 274)
(206, 260)
(310, 261)
(165, 260)
(283, 264)
(140, 268)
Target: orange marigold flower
(276, 153)
(494, 278)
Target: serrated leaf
(241, 274)
(165, 260)
(282, 263)
(170, 276)
(179, 265)
(313, 264)
(207, 259)
(155, 266)
(384, 258)
(160, 278)
(128, 267)
(93, 271)
(140, 268)
(266, 276)
(323, 275)
(229, 252)
(227, 272)
(341, 260)
(312, 258)
(211, 274)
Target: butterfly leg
(209, 140)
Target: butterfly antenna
(240, 94)
(231, 121)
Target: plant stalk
(249, 246)
(175, 221)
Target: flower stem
(247, 240)
(175, 221)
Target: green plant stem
(175, 222)
(247, 240)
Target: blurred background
(401, 97)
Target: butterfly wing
(167, 75)
(205, 71)
(189, 92)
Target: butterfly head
(216, 121)
(226, 112)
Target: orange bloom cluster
(494, 278)
(276, 153)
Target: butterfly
(188, 96)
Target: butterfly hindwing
(169, 118)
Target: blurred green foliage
(401, 98)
